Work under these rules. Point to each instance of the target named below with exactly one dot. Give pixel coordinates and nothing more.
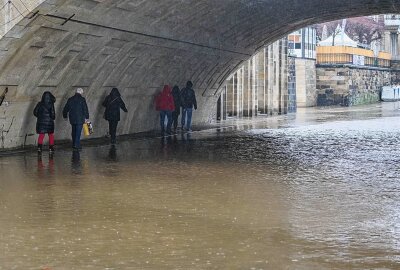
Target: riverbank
(307, 116)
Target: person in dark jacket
(113, 104)
(188, 102)
(77, 111)
(176, 93)
(45, 114)
(165, 105)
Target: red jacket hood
(167, 90)
(165, 100)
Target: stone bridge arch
(139, 45)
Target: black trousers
(112, 128)
(175, 115)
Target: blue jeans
(76, 135)
(164, 114)
(188, 112)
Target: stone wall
(292, 85)
(395, 66)
(347, 86)
(306, 88)
(395, 77)
(12, 12)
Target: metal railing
(349, 59)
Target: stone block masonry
(306, 89)
(348, 86)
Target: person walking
(113, 103)
(45, 114)
(77, 111)
(188, 102)
(165, 105)
(176, 93)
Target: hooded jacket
(176, 93)
(45, 113)
(188, 97)
(165, 100)
(114, 103)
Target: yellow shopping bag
(86, 129)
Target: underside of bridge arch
(140, 45)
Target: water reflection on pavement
(316, 190)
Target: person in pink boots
(46, 114)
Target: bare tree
(331, 28)
(361, 29)
(365, 30)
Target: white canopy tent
(340, 39)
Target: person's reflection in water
(174, 143)
(41, 168)
(166, 144)
(162, 142)
(44, 201)
(169, 140)
(51, 163)
(112, 167)
(76, 165)
(186, 137)
(112, 153)
(187, 141)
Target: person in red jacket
(165, 105)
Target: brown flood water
(316, 190)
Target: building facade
(302, 50)
(390, 40)
(303, 43)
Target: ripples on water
(323, 196)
